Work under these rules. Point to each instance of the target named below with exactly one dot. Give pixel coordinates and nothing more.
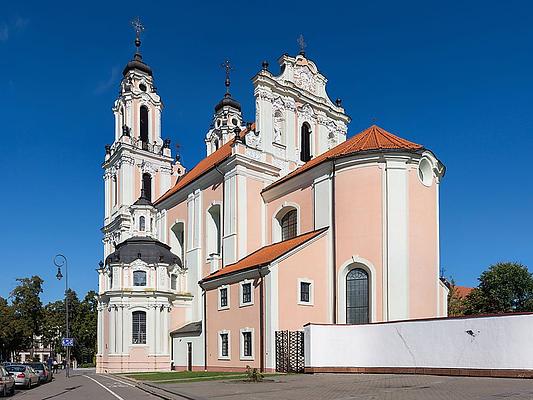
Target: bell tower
(138, 159)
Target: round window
(219, 122)
(425, 172)
(234, 121)
(142, 86)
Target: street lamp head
(59, 275)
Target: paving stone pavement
(355, 386)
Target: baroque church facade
(285, 221)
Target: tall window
(177, 240)
(224, 345)
(138, 327)
(357, 297)
(305, 292)
(115, 190)
(144, 126)
(247, 344)
(214, 237)
(224, 297)
(246, 293)
(173, 282)
(147, 185)
(139, 278)
(142, 223)
(305, 143)
(289, 225)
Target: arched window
(357, 297)
(143, 126)
(147, 186)
(216, 144)
(138, 325)
(177, 240)
(305, 143)
(139, 278)
(213, 230)
(115, 190)
(289, 225)
(142, 223)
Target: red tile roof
(372, 138)
(462, 291)
(265, 255)
(204, 166)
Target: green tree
(28, 308)
(504, 287)
(53, 325)
(84, 328)
(10, 332)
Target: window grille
(357, 297)
(289, 225)
(139, 327)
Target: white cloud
(104, 85)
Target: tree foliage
(504, 287)
(25, 318)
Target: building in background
(285, 221)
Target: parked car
(7, 382)
(24, 375)
(45, 375)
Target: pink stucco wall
(359, 222)
(233, 320)
(310, 263)
(423, 262)
(253, 214)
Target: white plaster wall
(502, 342)
(180, 353)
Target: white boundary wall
(497, 342)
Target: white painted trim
(241, 354)
(311, 301)
(220, 356)
(347, 266)
(226, 307)
(241, 284)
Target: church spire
(137, 62)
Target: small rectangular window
(305, 290)
(139, 278)
(224, 297)
(247, 344)
(247, 293)
(224, 345)
(173, 282)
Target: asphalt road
(84, 385)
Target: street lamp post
(59, 261)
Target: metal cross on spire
(228, 67)
(139, 28)
(302, 44)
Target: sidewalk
(353, 386)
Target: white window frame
(311, 301)
(220, 356)
(251, 303)
(241, 340)
(226, 307)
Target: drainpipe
(205, 329)
(334, 239)
(261, 324)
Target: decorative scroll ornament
(304, 79)
(253, 140)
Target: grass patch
(188, 376)
(174, 375)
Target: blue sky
(454, 76)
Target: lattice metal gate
(289, 351)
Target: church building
(288, 219)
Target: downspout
(205, 329)
(334, 239)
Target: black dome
(147, 249)
(137, 63)
(228, 101)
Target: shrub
(253, 374)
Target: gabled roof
(265, 255)
(193, 328)
(462, 291)
(373, 138)
(204, 166)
